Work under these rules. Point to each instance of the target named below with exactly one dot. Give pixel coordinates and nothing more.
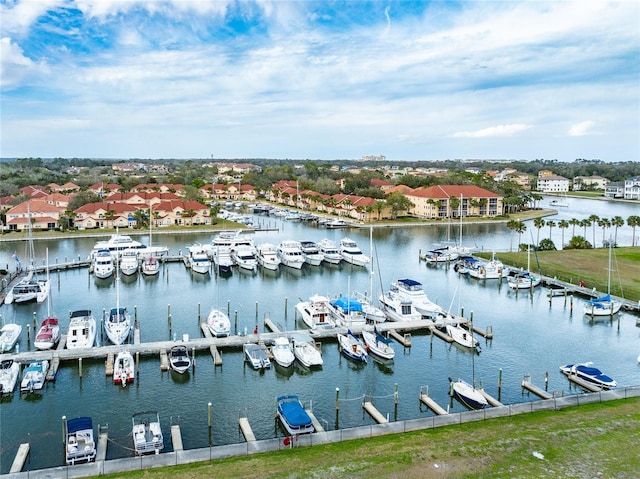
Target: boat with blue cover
(293, 416)
(587, 372)
(79, 441)
(351, 347)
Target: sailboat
(459, 249)
(604, 305)
(466, 393)
(150, 263)
(372, 313)
(118, 324)
(30, 287)
(524, 279)
(49, 333)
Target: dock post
(193, 359)
(135, 314)
(64, 432)
(395, 395)
(170, 325)
(35, 321)
(235, 324)
(570, 304)
(256, 312)
(337, 399)
(499, 384)
(199, 313)
(462, 311)
(209, 421)
(228, 307)
(28, 333)
(80, 367)
(138, 362)
(286, 300)
(546, 380)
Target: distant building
(581, 183)
(444, 201)
(552, 183)
(614, 190)
(632, 188)
(42, 215)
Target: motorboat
(589, 373)
(347, 312)
(199, 259)
(124, 369)
(377, 344)
(218, 323)
(245, 257)
(179, 359)
(293, 416)
(351, 253)
(445, 254)
(411, 290)
(397, 308)
(316, 312)
(222, 258)
(480, 269)
(147, 433)
(336, 223)
(282, 352)
(523, 280)
(117, 243)
(9, 335)
(150, 265)
(351, 347)
(129, 262)
(305, 350)
(30, 288)
(330, 252)
(80, 445)
(103, 264)
(118, 325)
(256, 356)
(311, 253)
(267, 256)
(48, 334)
(468, 395)
(34, 376)
(9, 372)
(290, 254)
(462, 337)
(82, 329)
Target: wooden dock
(20, 459)
(213, 349)
(164, 360)
(108, 370)
(431, 404)
(176, 438)
(374, 413)
(404, 340)
(316, 424)
(490, 399)
(591, 387)
(103, 441)
(441, 334)
(270, 325)
(529, 386)
(245, 427)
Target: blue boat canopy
(293, 411)
(79, 424)
(347, 304)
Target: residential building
(632, 188)
(552, 183)
(581, 183)
(443, 201)
(43, 216)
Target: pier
(245, 427)
(490, 399)
(431, 404)
(374, 413)
(21, 458)
(404, 340)
(103, 440)
(588, 386)
(529, 386)
(176, 438)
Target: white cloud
(493, 131)
(581, 129)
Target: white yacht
(150, 265)
(218, 323)
(316, 312)
(129, 262)
(9, 335)
(305, 350)
(80, 445)
(412, 290)
(82, 329)
(29, 288)
(34, 376)
(124, 369)
(222, 258)
(282, 352)
(347, 312)
(351, 253)
(330, 252)
(103, 264)
(311, 253)
(268, 256)
(290, 254)
(9, 372)
(245, 257)
(398, 308)
(118, 243)
(118, 325)
(147, 433)
(199, 259)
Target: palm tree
(604, 223)
(585, 223)
(378, 206)
(520, 228)
(512, 225)
(593, 219)
(633, 221)
(454, 203)
(538, 223)
(573, 222)
(563, 225)
(551, 224)
(616, 222)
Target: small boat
(372, 314)
(9, 335)
(311, 253)
(222, 258)
(124, 369)
(524, 279)
(377, 344)
(305, 350)
(82, 329)
(293, 416)
(199, 260)
(129, 262)
(9, 372)
(150, 265)
(462, 337)
(179, 360)
(398, 308)
(336, 223)
(604, 305)
(34, 376)
(282, 352)
(290, 254)
(351, 253)
(218, 323)
(347, 312)
(330, 252)
(467, 394)
(48, 335)
(351, 347)
(267, 256)
(587, 372)
(411, 290)
(103, 264)
(316, 312)
(118, 325)
(147, 433)
(492, 269)
(256, 355)
(445, 254)
(80, 445)
(245, 257)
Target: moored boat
(293, 416)
(347, 312)
(198, 258)
(218, 323)
(589, 373)
(256, 356)
(351, 347)
(30, 288)
(80, 445)
(245, 257)
(311, 253)
(316, 312)
(411, 290)
(179, 359)
(305, 350)
(462, 337)
(48, 335)
(282, 352)
(129, 264)
(351, 253)
(150, 265)
(9, 372)
(146, 432)
(124, 371)
(398, 308)
(330, 252)
(103, 264)
(82, 329)
(377, 344)
(267, 256)
(9, 335)
(467, 394)
(34, 376)
(290, 254)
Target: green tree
(546, 245)
(551, 224)
(634, 222)
(563, 225)
(616, 222)
(398, 203)
(578, 242)
(593, 220)
(538, 223)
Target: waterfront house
(444, 201)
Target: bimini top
(79, 424)
(347, 304)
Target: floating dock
(176, 438)
(316, 424)
(431, 404)
(441, 334)
(164, 360)
(374, 413)
(245, 427)
(103, 440)
(21, 458)
(490, 399)
(529, 386)
(591, 387)
(404, 340)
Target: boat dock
(374, 413)
(316, 424)
(490, 399)
(404, 340)
(21, 458)
(55, 362)
(164, 360)
(589, 386)
(103, 440)
(245, 427)
(441, 334)
(529, 386)
(431, 404)
(176, 438)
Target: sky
(411, 80)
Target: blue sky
(320, 80)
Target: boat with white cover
(351, 347)
(147, 433)
(462, 337)
(377, 344)
(124, 369)
(397, 308)
(351, 253)
(305, 350)
(129, 262)
(80, 445)
(218, 323)
(267, 256)
(311, 253)
(256, 356)
(290, 254)
(9, 335)
(316, 312)
(330, 252)
(82, 329)
(9, 372)
(589, 373)
(411, 290)
(34, 376)
(179, 359)
(293, 416)
(467, 394)
(103, 264)
(282, 352)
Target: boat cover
(348, 304)
(79, 424)
(293, 411)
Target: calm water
(532, 336)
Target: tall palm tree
(563, 225)
(616, 222)
(593, 219)
(538, 223)
(551, 224)
(521, 227)
(633, 221)
(604, 223)
(585, 223)
(573, 222)
(512, 225)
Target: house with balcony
(445, 201)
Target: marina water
(531, 336)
